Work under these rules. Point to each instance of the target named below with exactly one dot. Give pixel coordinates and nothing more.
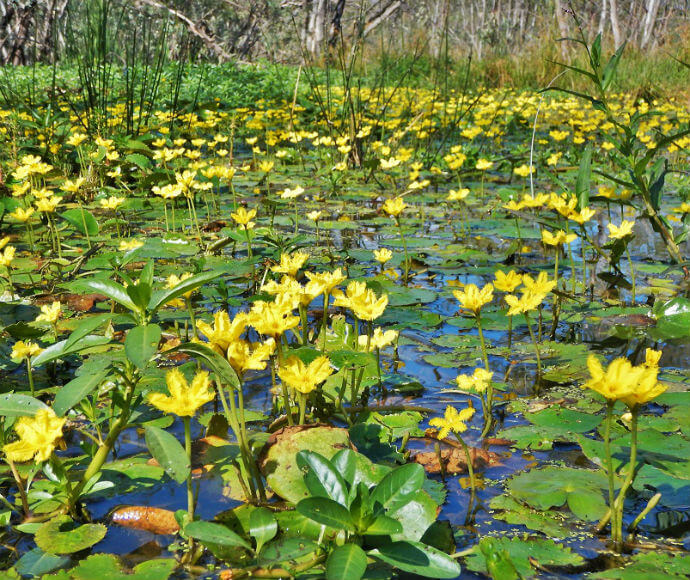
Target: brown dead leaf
(149, 519)
(454, 460)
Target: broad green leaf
(285, 550)
(141, 344)
(584, 174)
(16, 405)
(322, 480)
(326, 512)
(384, 526)
(162, 297)
(82, 220)
(418, 558)
(263, 526)
(112, 290)
(74, 392)
(346, 562)
(208, 532)
(168, 452)
(217, 363)
(397, 487)
(60, 350)
(85, 327)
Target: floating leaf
(63, 536)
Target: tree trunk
(649, 22)
(615, 26)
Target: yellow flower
(507, 282)
(328, 280)
(619, 380)
(394, 206)
(458, 194)
(129, 245)
(584, 215)
(472, 298)
(7, 255)
(353, 290)
(314, 215)
(542, 285)
(383, 255)
(111, 202)
(244, 218)
(389, 163)
(379, 339)
(38, 436)
(288, 193)
(622, 231)
(50, 312)
(271, 318)
(172, 282)
(477, 382)
(452, 421)
(73, 186)
(48, 204)
(290, 264)
(652, 357)
(244, 356)
(22, 215)
(266, 166)
(557, 238)
(22, 350)
(4, 241)
(184, 399)
(529, 300)
(523, 170)
(367, 307)
(484, 164)
(305, 378)
(223, 332)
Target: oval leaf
(75, 391)
(325, 481)
(141, 344)
(15, 405)
(398, 486)
(326, 512)
(208, 532)
(168, 452)
(347, 561)
(418, 558)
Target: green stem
(485, 358)
(536, 345)
(609, 468)
(632, 273)
(188, 451)
(30, 373)
(407, 256)
(324, 321)
(468, 458)
(302, 407)
(283, 386)
(620, 500)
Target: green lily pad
(63, 536)
(549, 523)
(279, 464)
(522, 552)
(657, 565)
(582, 490)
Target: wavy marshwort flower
(328, 281)
(38, 437)
(184, 399)
(473, 299)
(26, 351)
(624, 233)
(394, 208)
(634, 386)
(290, 263)
(304, 378)
(454, 421)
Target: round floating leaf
(63, 536)
(36, 562)
(554, 486)
(522, 552)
